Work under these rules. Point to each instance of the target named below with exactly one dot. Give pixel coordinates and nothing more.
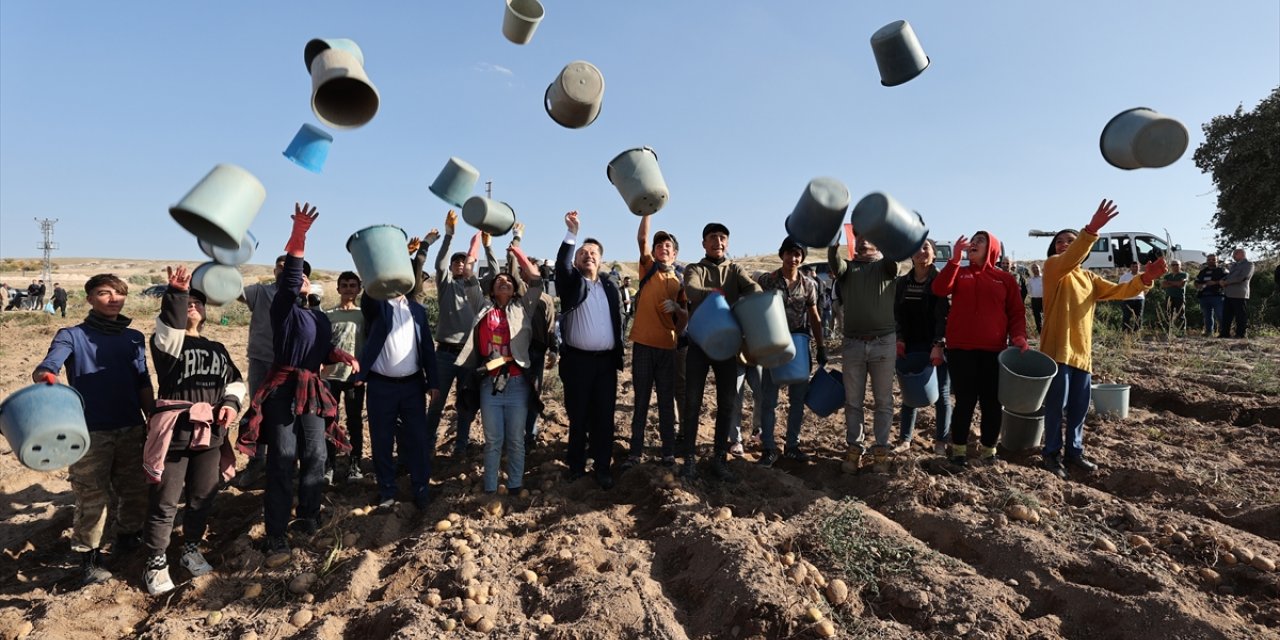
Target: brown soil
(926, 551)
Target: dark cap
(714, 227)
(664, 235)
(790, 244)
(196, 294)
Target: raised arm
(642, 235)
(442, 258)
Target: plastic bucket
(826, 393)
(317, 45)
(899, 55)
(796, 370)
(239, 256)
(45, 426)
(381, 261)
(713, 328)
(221, 284)
(574, 99)
(763, 318)
(1019, 432)
(1025, 377)
(456, 181)
(1141, 137)
(815, 221)
(222, 206)
(521, 20)
(342, 97)
(917, 380)
(1111, 400)
(897, 231)
(489, 215)
(309, 148)
(636, 176)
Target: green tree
(1240, 151)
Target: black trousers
(975, 379)
(590, 398)
(1037, 312)
(351, 397)
(1234, 309)
(697, 364)
(197, 472)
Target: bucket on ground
(521, 20)
(636, 176)
(796, 370)
(234, 258)
(898, 53)
(456, 182)
(1111, 400)
(381, 261)
(1025, 377)
(342, 97)
(309, 148)
(815, 221)
(917, 380)
(1019, 432)
(222, 206)
(220, 283)
(45, 426)
(487, 214)
(1141, 137)
(897, 231)
(763, 318)
(317, 45)
(573, 100)
(714, 329)
(826, 392)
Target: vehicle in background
(1116, 249)
(155, 290)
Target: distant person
(1006, 265)
(1035, 289)
(106, 363)
(188, 446)
(60, 298)
(40, 293)
(1174, 285)
(1208, 284)
(1132, 306)
(4, 296)
(348, 334)
(1235, 287)
(548, 273)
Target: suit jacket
(377, 322)
(572, 287)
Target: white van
(1116, 249)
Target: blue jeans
(397, 415)
(291, 440)
(1069, 392)
(1211, 308)
(503, 416)
(767, 406)
(449, 372)
(537, 371)
(941, 408)
(872, 358)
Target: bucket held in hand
(815, 221)
(487, 214)
(636, 176)
(521, 20)
(309, 148)
(221, 284)
(456, 182)
(45, 426)
(763, 318)
(899, 55)
(574, 99)
(826, 392)
(222, 206)
(795, 370)
(713, 328)
(1025, 377)
(897, 231)
(1142, 138)
(342, 97)
(917, 379)
(382, 260)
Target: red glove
(1106, 211)
(1153, 271)
(936, 356)
(303, 217)
(902, 349)
(48, 378)
(1021, 343)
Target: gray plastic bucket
(342, 96)
(817, 217)
(381, 261)
(897, 231)
(521, 20)
(456, 182)
(220, 283)
(222, 206)
(574, 99)
(899, 55)
(1141, 137)
(1025, 377)
(1111, 400)
(763, 318)
(45, 426)
(489, 215)
(638, 179)
(1020, 432)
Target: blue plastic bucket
(796, 370)
(309, 148)
(381, 260)
(917, 380)
(826, 392)
(45, 426)
(713, 328)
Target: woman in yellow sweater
(1070, 294)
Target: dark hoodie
(986, 310)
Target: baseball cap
(714, 227)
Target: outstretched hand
(414, 243)
(432, 236)
(1153, 271)
(571, 222)
(959, 248)
(1106, 211)
(179, 279)
(304, 215)
(450, 221)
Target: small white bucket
(521, 20)
(574, 99)
(1111, 400)
(1141, 138)
(763, 318)
(316, 45)
(639, 181)
(221, 207)
(342, 97)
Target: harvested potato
(301, 618)
(788, 559)
(814, 614)
(722, 514)
(1103, 544)
(1263, 563)
(1229, 559)
(825, 629)
(252, 590)
(529, 576)
(432, 600)
(1210, 576)
(484, 625)
(213, 618)
(443, 525)
(277, 560)
(1018, 512)
(302, 583)
(546, 619)
(837, 591)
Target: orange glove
(48, 378)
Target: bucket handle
(546, 104)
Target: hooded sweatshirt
(986, 305)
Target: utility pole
(47, 248)
(488, 188)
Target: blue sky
(110, 112)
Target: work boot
(1082, 463)
(720, 469)
(1053, 462)
(769, 457)
(251, 476)
(852, 460)
(881, 460)
(91, 569)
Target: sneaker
(1082, 463)
(903, 446)
(940, 449)
(769, 457)
(688, 470)
(275, 544)
(961, 461)
(328, 477)
(720, 469)
(158, 581)
(1053, 462)
(354, 473)
(668, 461)
(194, 562)
(852, 460)
(795, 453)
(737, 450)
(91, 570)
(386, 503)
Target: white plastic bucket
(342, 97)
(574, 99)
(763, 318)
(221, 207)
(221, 284)
(1111, 400)
(636, 176)
(898, 53)
(816, 219)
(45, 426)
(1142, 138)
(521, 20)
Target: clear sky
(111, 111)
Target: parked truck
(1119, 248)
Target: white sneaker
(194, 562)
(158, 581)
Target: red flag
(848, 238)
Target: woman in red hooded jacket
(986, 316)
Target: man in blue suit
(590, 352)
(398, 366)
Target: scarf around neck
(111, 327)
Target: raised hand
(486, 238)
(1106, 211)
(414, 243)
(179, 279)
(1153, 271)
(571, 222)
(432, 236)
(304, 216)
(518, 230)
(450, 221)
(959, 248)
